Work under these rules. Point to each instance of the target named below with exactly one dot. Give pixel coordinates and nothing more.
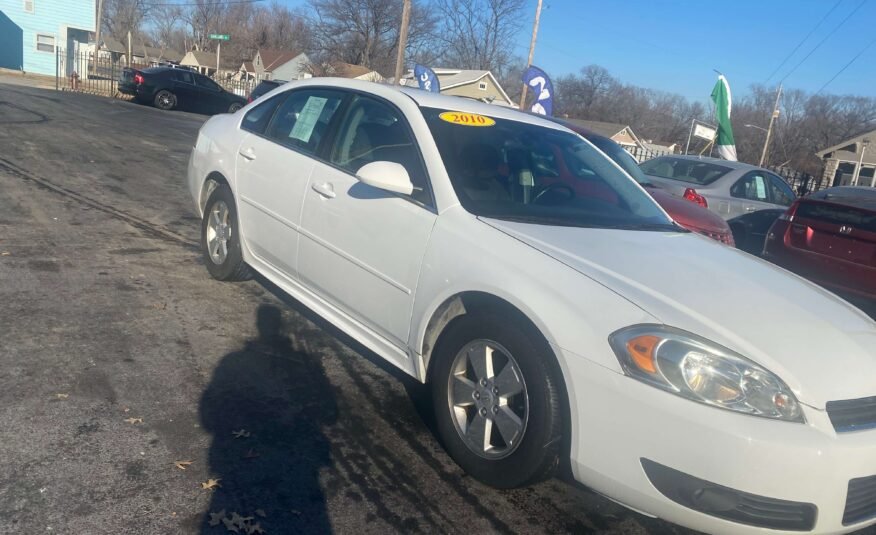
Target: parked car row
(550, 304)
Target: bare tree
(165, 21)
(123, 16)
(365, 32)
(478, 33)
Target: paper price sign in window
(307, 118)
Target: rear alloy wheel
(220, 239)
(497, 400)
(165, 100)
(234, 107)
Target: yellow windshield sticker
(466, 119)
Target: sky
(675, 45)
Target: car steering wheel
(555, 186)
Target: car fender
(572, 311)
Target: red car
(687, 214)
(829, 237)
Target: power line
(846, 66)
(826, 37)
(808, 35)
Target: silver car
(730, 189)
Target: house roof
(247, 66)
(849, 143)
(159, 53)
(200, 58)
(601, 128)
(450, 78)
(271, 59)
(113, 45)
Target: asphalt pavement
(138, 395)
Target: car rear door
(273, 166)
(750, 194)
(361, 247)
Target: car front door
(211, 96)
(750, 194)
(273, 164)
(361, 248)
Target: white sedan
(556, 311)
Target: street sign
(220, 36)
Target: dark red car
(689, 215)
(829, 237)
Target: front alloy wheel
(488, 399)
(498, 398)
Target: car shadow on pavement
(266, 407)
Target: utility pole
(402, 41)
(531, 50)
(97, 25)
(773, 117)
(130, 51)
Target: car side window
(373, 131)
(303, 118)
(183, 76)
(780, 192)
(256, 120)
(203, 81)
(752, 187)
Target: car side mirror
(388, 176)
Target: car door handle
(325, 189)
(751, 208)
(249, 153)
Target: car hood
(821, 346)
(688, 214)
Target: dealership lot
(122, 357)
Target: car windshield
(621, 157)
(684, 170)
(523, 172)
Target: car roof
(852, 196)
(717, 161)
(428, 99)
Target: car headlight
(700, 370)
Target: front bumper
(618, 422)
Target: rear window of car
(683, 170)
(836, 214)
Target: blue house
(30, 31)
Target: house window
(482, 86)
(28, 6)
(45, 43)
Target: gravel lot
(121, 357)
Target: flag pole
(531, 50)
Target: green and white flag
(723, 104)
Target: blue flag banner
(542, 88)
(426, 79)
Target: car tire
(234, 107)
(220, 238)
(533, 453)
(164, 100)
